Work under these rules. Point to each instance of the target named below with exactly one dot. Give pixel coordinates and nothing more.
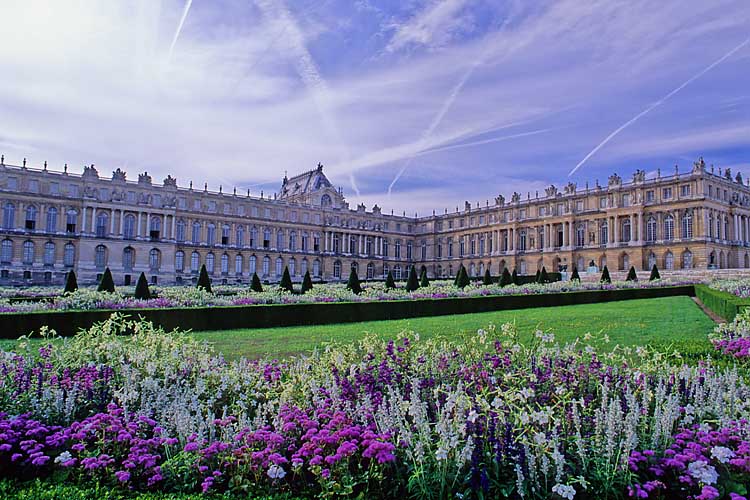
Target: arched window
(316, 268)
(180, 231)
(385, 270)
(195, 262)
(306, 242)
(397, 249)
(155, 229)
(100, 256)
(292, 266)
(580, 236)
(355, 267)
(397, 271)
(687, 259)
(9, 216)
(238, 264)
(669, 261)
(28, 252)
(293, 241)
(211, 234)
(128, 227)
(325, 201)
(179, 261)
(337, 269)
(30, 224)
(239, 236)
(651, 260)
(472, 270)
(252, 265)
(651, 229)
(154, 259)
(668, 227)
(101, 224)
(522, 240)
(266, 265)
(49, 254)
(580, 263)
(604, 233)
(409, 247)
(625, 230)
(210, 261)
(266, 238)
(718, 227)
(69, 255)
(687, 225)
(253, 237)
(224, 264)
(522, 267)
(225, 229)
(370, 271)
(6, 251)
(303, 267)
(625, 262)
(71, 219)
(279, 239)
(128, 258)
(51, 220)
(196, 236)
(279, 267)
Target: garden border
(722, 303)
(67, 323)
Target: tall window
(292, 266)
(6, 251)
(668, 227)
(266, 238)
(397, 249)
(238, 265)
(669, 261)
(224, 264)
(154, 259)
(409, 248)
(196, 236)
(49, 254)
(687, 225)
(279, 239)
(303, 266)
(580, 236)
(101, 224)
(180, 231)
(279, 267)
(253, 237)
(306, 242)
(100, 256)
(211, 234)
(128, 258)
(651, 260)
(522, 240)
(69, 254)
(51, 220)
(155, 229)
(28, 252)
(266, 265)
(370, 271)
(397, 271)
(239, 236)
(210, 263)
(385, 270)
(316, 268)
(604, 233)
(179, 261)
(30, 224)
(293, 241)
(195, 262)
(651, 230)
(71, 218)
(225, 229)
(128, 227)
(625, 230)
(687, 260)
(423, 248)
(9, 216)
(252, 265)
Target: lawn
(658, 322)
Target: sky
(413, 105)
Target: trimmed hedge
(724, 304)
(68, 323)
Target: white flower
(564, 490)
(473, 415)
(722, 454)
(441, 454)
(703, 472)
(526, 393)
(276, 472)
(63, 457)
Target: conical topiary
(543, 276)
(463, 278)
(306, 282)
(605, 276)
(107, 284)
(353, 283)
(412, 283)
(390, 283)
(654, 274)
(71, 283)
(575, 276)
(255, 285)
(487, 279)
(203, 280)
(631, 275)
(506, 279)
(286, 281)
(423, 280)
(538, 274)
(141, 288)
(514, 278)
(458, 274)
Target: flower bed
(435, 419)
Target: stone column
(93, 221)
(112, 222)
(640, 227)
(616, 235)
(174, 228)
(138, 231)
(83, 218)
(565, 234)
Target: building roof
(304, 183)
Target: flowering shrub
(89, 299)
(739, 287)
(486, 415)
(733, 338)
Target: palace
(56, 221)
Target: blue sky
(414, 105)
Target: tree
(631, 275)
(306, 282)
(463, 278)
(423, 281)
(107, 284)
(458, 273)
(204, 281)
(141, 288)
(390, 283)
(506, 279)
(412, 283)
(71, 283)
(543, 276)
(654, 274)
(575, 276)
(514, 278)
(353, 283)
(255, 285)
(286, 281)
(605, 276)
(538, 274)
(487, 279)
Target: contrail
(657, 103)
(185, 11)
(483, 141)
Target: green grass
(661, 323)
(658, 322)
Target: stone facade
(56, 221)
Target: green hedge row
(724, 304)
(67, 323)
